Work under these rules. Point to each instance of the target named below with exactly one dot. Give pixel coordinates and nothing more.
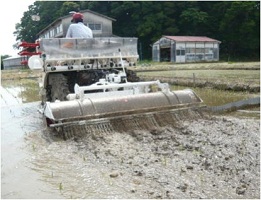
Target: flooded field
(20, 90)
(202, 157)
(214, 97)
(19, 117)
(246, 76)
(26, 90)
(222, 76)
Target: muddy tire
(132, 76)
(57, 87)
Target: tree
(67, 7)
(241, 29)
(28, 29)
(193, 21)
(235, 23)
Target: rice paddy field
(241, 76)
(245, 73)
(208, 156)
(215, 83)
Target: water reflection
(214, 97)
(23, 90)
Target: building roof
(95, 13)
(12, 57)
(191, 39)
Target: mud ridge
(202, 83)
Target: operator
(78, 29)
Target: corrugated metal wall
(186, 51)
(13, 63)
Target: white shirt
(79, 30)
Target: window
(190, 50)
(208, 50)
(51, 32)
(60, 28)
(200, 50)
(181, 52)
(95, 27)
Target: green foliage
(193, 21)
(240, 27)
(68, 7)
(235, 23)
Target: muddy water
(19, 91)
(17, 180)
(207, 157)
(214, 97)
(204, 158)
(19, 117)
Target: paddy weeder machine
(87, 86)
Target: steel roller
(95, 107)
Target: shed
(182, 49)
(15, 62)
(100, 25)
